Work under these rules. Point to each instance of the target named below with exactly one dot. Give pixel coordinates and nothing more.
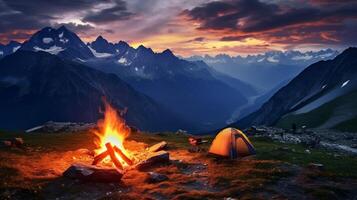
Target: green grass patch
(342, 165)
(349, 125)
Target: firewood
(113, 157)
(92, 173)
(158, 147)
(123, 156)
(100, 157)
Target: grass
(349, 125)
(254, 178)
(342, 165)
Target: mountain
(102, 48)
(36, 87)
(61, 42)
(323, 96)
(265, 71)
(193, 90)
(9, 48)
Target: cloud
(235, 38)
(254, 16)
(118, 11)
(197, 39)
(316, 22)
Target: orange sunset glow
(196, 27)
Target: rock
(156, 158)
(55, 127)
(17, 142)
(158, 147)
(92, 173)
(154, 177)
(7, 143)
(316, 166)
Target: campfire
(111, 159)
(110, 141)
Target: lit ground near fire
(278, 171)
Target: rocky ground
(278, 171)
(341, 142)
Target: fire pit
(111, 158)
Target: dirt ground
(35, 172)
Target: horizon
(232, 27)
(189, 56)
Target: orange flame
(113, 130)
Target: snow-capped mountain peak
(60, 42)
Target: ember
(110, 141)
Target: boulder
(153, 159)
(7, 143)
(154, 177)
(158, 147)
(14, 142)
(93, 173)
(316, 166)
(17, 142)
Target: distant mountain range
(36, 87)
(324, 95)
(265, 71)
(193, 91)
(55, 76)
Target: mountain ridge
(326, 80)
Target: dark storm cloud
(255, 16)
(20, 18)
(117, 12)
(49, 7)
(35, 14)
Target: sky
(191, 27)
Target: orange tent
(233, 143)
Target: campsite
(277, 171)
(178, 99)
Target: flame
(112, 129)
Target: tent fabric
(233, 143)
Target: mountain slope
(317, 85)
(9, 48)
(36, 87)
(333, 114)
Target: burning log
(158, 147)
(123, 156)
(114, 159)
(100, 157)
